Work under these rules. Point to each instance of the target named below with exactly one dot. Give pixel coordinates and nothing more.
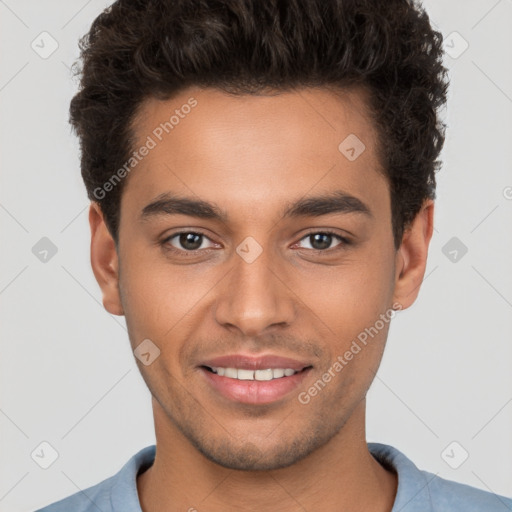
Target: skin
(251, 156)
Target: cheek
(146, 295)
(158, 298)
(350, 296)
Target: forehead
(305, 115)
(256, 150)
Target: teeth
(245, 374)
(263, 374)
(232, 373)
(242, 374)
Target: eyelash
(344, 241)
(165, 243)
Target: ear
(104, 260)
(411, 257)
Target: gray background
(67, 374)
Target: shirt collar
(124, 488)
(413, 485)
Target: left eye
(322, 240)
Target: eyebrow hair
(335, 202)
(315, 206)
(170, 204)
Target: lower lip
(255, 391)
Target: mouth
(259, 375)
(250, 380)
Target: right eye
(185, 241)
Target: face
(283, 263)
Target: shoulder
(91, 499)
(449, 495)
(423, 490)
(114, 494)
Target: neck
(341, 475)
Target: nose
(255, 297)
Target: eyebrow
(313, 206)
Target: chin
(249, 457)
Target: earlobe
(104, 260)
(411, 258)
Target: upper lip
(248, 362)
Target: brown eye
(323, 240)
(186, 241)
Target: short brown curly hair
(138, 49)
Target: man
(262, 182)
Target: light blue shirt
(418, 491)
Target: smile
(254, 387)
(260, 375)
